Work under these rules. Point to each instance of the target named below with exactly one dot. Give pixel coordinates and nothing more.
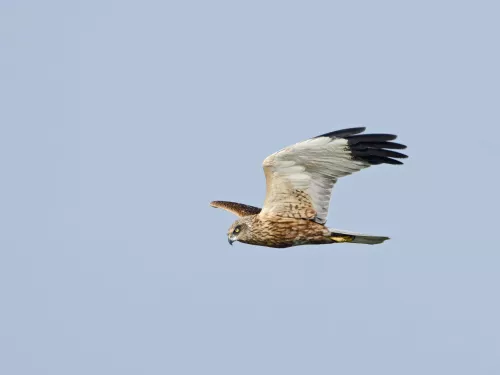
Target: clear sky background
(121, 120)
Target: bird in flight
(299, 183)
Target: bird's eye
(237, 230)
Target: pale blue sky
(121, 121)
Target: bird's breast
(275, 231)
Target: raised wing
(238, 209)
(300, 177)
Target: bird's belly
(287, 232)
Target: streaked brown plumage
(299, 182)
(276, 231)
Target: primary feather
(314, 166)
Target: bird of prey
(299, 183)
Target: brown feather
(281, 232)
(239, 209)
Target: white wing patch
(300, 178)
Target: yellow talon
(342, 238)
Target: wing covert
(300, 178)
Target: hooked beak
(230, 241)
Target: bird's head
(240, 230)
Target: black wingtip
(375, 148)
(360, 152)
(375, 160)
(343, 133)
(371, 138)
(389, 145)
(371, 148)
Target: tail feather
(342, 236)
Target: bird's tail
(342, 236)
